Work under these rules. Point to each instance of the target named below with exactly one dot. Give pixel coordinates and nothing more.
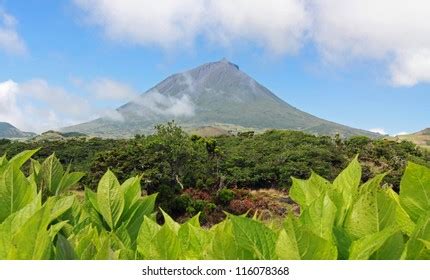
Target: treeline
(171, 160)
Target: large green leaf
(417, 247)
(345, 189)
(320, 216)
(33, 240)
(63, 249)
(13, 223)
(404, 221)
(68, 180)
(15, 191)
(224, 245)
(304, 192)
(50, 175)
(110, 199)
(194, 242)
(155, 242)
(364, 248)
(296, 242)
(132, 191)
(135, 215)
(415, 190)
(21, 158)
(373, 211)
(255, 237)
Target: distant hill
(421, 138)
(10, 132)
(216, 94)
(52, 135)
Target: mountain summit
(214, 94)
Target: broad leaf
(110, 199)
(415, 190)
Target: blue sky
(65, 62)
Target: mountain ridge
(8, 131)
(213, 94)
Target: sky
(362, 63)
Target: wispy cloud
(378, 130)
(107, 89)
(10, 41)
(157, 103)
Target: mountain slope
(9, 131)
(421, 138)
(215, 94)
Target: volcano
(216, 94)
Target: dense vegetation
(192, 174)
(345, 219)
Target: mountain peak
(225, 61)
(216, 94)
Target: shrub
(225, 196)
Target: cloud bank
(36, 105)
(394, 32)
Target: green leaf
(373, 211)
(255, 237)
(194, 241)
(415, 190)
(224, 245)
(160, 243)
(15, 191)
(19, 160)
(110, 199)
(33, 240)
(417, 246)
(364, 248)
(345, 189)
(63, 249)
(304, 192)
(298, 243)
(132, 191)
(69, 180)
(50, 175)
(13, 223)
(134, 218)
(320, 216)
(404, 221)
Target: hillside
(10, 132)
(421, 138)
(215, 94)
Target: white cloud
(378, 130)
(394, 32)
(10, 41)
(9, 111)
(401, 133)
(158, 103)
(37, 106)
(107, 89)
(278, 25)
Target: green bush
(225, 196)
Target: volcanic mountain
(216, 94)
(9, 131)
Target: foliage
(225, 196)
(343, 219)
(170, 161)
